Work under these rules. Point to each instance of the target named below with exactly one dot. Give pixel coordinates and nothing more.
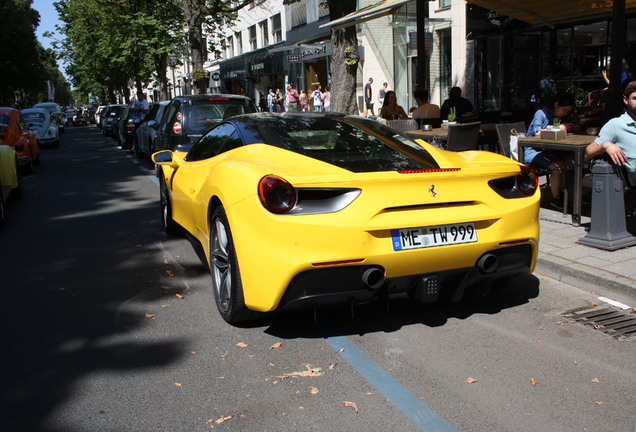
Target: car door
(190, 197)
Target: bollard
(608, 230)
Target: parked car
(98, 115)
(10, 179)
(80, 118)
(301, 210)
(147, 130)
(40, 122)
(124, 128)
(15, 133)
(56, 113)
(68, 116)
(187, 118)
(112, 113)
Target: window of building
(229, 49)
(239, 43)
(444, 3)
(445, 62)
(264, 32)
(298, 13)
(253, 42)
(277, 31)
(323, 10)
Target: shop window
(253, 42)
(264, 32)
(445, 62)
(298, 13)
(277, 31)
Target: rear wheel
(169, 225)
(226, 276)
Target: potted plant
(452, 116)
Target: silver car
(147, 130)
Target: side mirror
(163, 157)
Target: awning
(367, 13)
(549, 12)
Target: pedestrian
(302, 98)
(139, 109)
(560, 110)
(317, 97)
(326, 99)
(262, 102)
(424, 109)
(455, 100)
(618, 137)
(391, 110)
(292, 98)
(368, 98)
(280, 101)
(271, 100)
(382, 93)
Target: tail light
(521, 185)
(130, 126)
(276, 194)
(177, 128)
(527, 181)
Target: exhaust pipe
(373, 278)
(488, 263)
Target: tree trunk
(344, 48)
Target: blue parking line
(407, 402)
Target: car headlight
(521, 185)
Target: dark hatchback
(187, 118)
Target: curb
(591, 279)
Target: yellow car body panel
(273, 249)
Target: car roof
(41, 110)
(188, 98)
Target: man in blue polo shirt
(618, 137)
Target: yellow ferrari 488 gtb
(315, 209)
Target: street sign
(216, 76)
(293, 58)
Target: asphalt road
(110, 325)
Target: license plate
(431, 236)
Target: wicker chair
(462, 137)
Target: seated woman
(390, 109)
(561, 108)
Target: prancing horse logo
(432, 190)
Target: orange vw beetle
(15, 133)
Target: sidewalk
(609, 274)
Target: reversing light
(276, 194)
(527, 181)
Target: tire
(169, 225)
(224, 269)
(3, 208)
(18, 192)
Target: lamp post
(173, 62)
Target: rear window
(205, 113)
(358, 146)
(5, 121)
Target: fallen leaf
(224, 355)
(276, 345)
(222, 419)
(576, 363)
(271, 365)
(149, 315)
(599, 403)
(178, 385)
(178, 296)
(341, 350)
(165, 261)
(310, 372)
(537, 339)
(170, 273)
(351, 405)
(596, 380)
(313, 390)
(594, 304)
(533, 382)
(634, 309)
(471, 380)
(241, 345)
(333, 366)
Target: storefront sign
(293, 58)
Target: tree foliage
(25, 66)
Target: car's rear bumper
(360, 284)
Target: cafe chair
(435, 122)
(462, 137)
(402, 126)
(504, 131)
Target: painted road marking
(416, 410)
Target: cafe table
(439, 136)
(574, 143)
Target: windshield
(34, 117)
(354, 144)
(205, 113)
